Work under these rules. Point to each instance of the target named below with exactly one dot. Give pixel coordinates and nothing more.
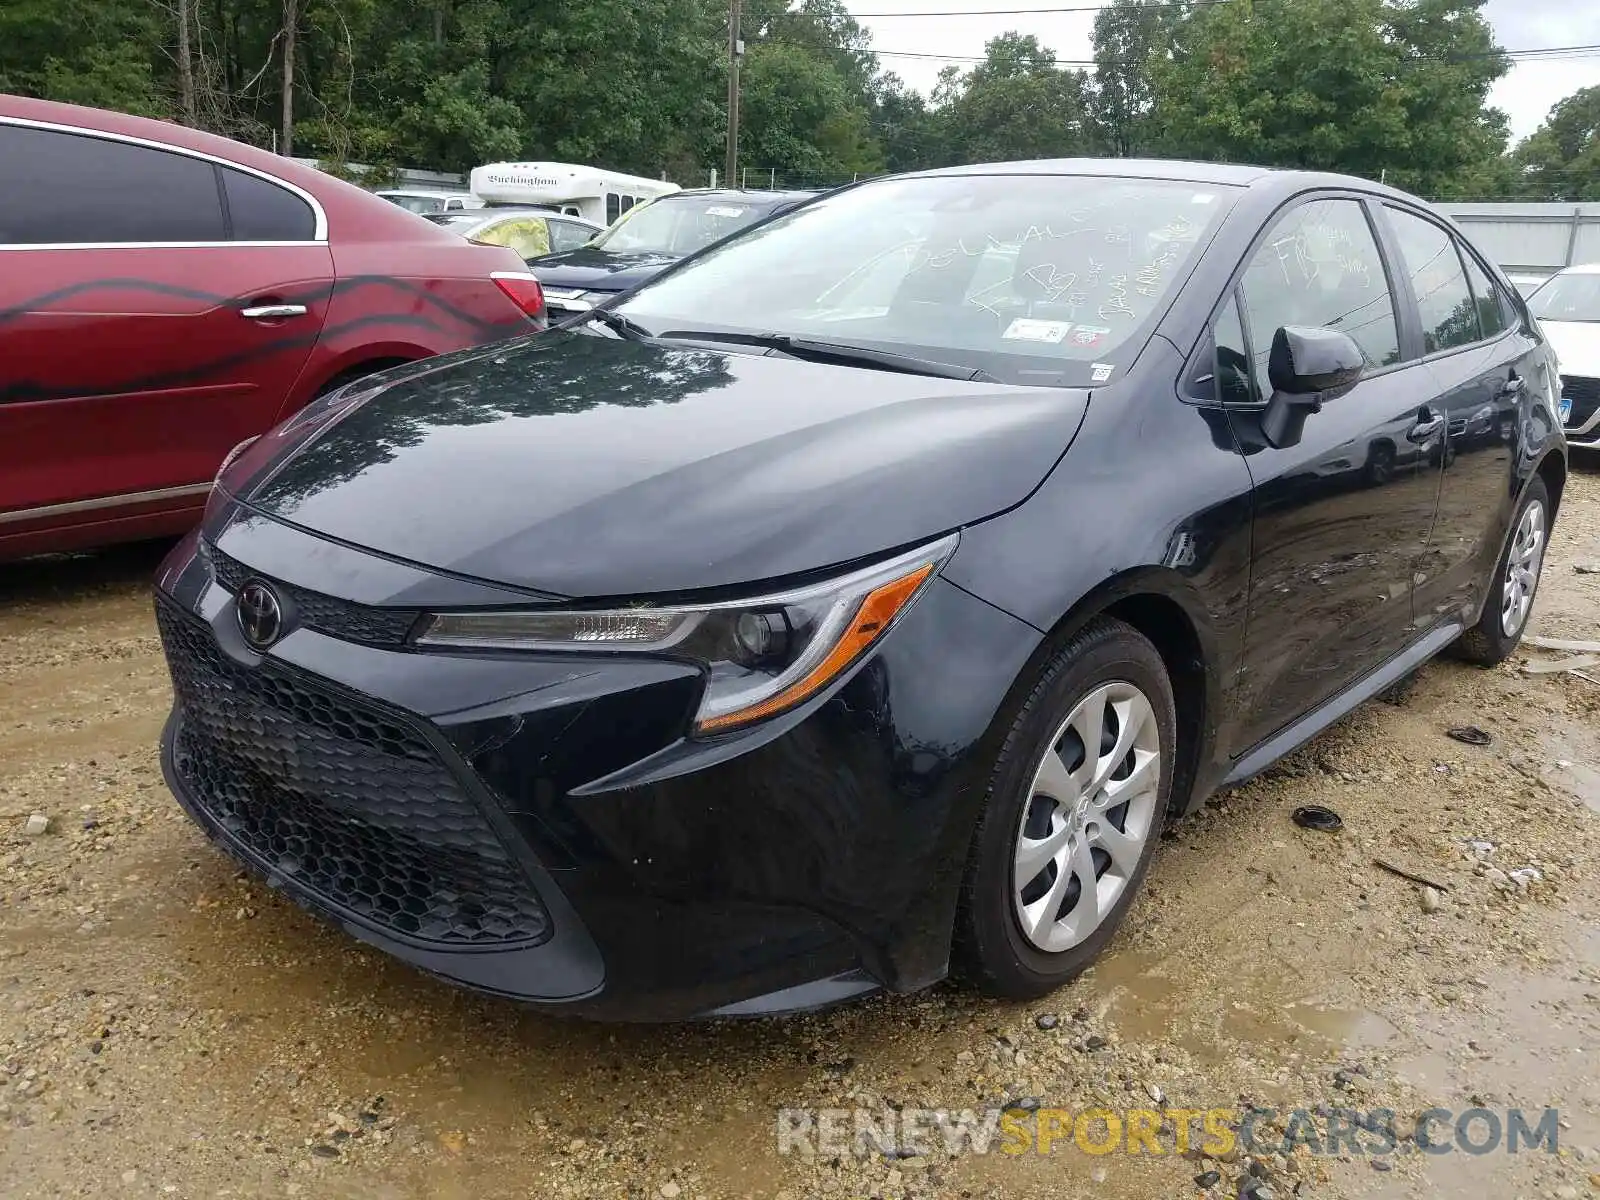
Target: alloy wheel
(1088, 816)
(1523, 562)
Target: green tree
(1561, 159)
(800, 117)
(909, 133)
(1128, 36)
(1380, 88)
(1015, 104)
(98, 52)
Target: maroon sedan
(166, 294)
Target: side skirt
(1314, 722)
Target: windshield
(678, 225)
(416, 204)
(1030, 278)
(1574, 297)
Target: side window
(1234, 379)
(528, 236)
(1492, 306)
(613, 207)
(264, 212)
(565, 235)
(1320, 266)
(90, 190)
(1444, 301)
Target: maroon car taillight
(523, 289)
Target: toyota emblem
(260, 614)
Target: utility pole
(291, 18)
(735, 53)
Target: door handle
(272, 312)
(1428, 425)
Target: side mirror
(1306, 367)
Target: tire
(1509, 596)
(1380, 464)
(1008, 941)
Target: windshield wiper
(623, 326)
(840, 352)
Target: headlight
(762, 656)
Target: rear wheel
(1075, 807)
(1511, 590)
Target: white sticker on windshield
(722, 210)
(1100, 372)
(1201, 198)
(1026, 329)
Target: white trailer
(587, 192)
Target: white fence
(1531, 239)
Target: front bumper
(539, 826)
(1582, 424)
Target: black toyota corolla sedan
(854, 603)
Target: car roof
(747, 195)
(1581, 269)
(1243, 175)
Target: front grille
(1585, 396)
(346, 802)
(315, 610)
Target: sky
(1526, 94)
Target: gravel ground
(170, 1028)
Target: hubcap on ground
(1522, 569)
(1087, 816)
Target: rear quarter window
(264, 212)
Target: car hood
(599, 270)
(584, 465)
(1577, 346)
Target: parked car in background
(531, 232)
(856, 601)
(166, 294)
(422, 201)
(650, 238)
(1568, 309)
(1527, 285)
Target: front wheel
(1512, 587)
(1075, 808)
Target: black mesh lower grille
(344, 801)
(1585, 396)
(315, 610)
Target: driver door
(1342, 517)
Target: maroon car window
(264, 212)
(75, 189)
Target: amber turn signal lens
(878, 608)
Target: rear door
(1341, 517)
(155, 309)
(1483, 363)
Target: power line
(1531, 55)
(1029, 12)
